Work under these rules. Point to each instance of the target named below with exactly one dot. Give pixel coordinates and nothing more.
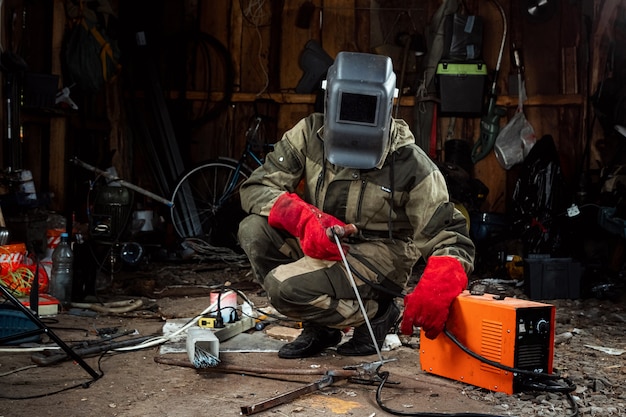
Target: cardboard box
(47, 305)
(461, 87)
(12, 255)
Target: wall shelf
(294, 98)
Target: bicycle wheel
(206, 202)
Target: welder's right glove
(307, 223)
(428, 305)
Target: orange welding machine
(518, 334)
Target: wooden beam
(293, 98)
(544, 100)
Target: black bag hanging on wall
(540, 197)
(463, 37)
(91, 54)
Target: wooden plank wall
(266, 63)
(265, 39)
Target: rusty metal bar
(288, 396)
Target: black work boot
(311, 341)
(361, 342)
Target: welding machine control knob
(543, 326)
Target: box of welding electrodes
(203, 347)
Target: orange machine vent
(491, 344)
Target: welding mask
(360, 89)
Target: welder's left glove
(428, 305)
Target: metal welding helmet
(360, 89)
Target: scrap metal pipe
(122, 182)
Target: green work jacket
(401, 208)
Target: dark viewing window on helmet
(358, 108)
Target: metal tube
(358, 297)
(122, 182)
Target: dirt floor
(589, 350)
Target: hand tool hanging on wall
(490, 122)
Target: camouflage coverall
(401, 208)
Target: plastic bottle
(62, 271)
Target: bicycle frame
(241, 164)
(208, 190)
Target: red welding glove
(308, 223)
(428, 305)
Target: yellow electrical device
(206, 322)
(509, 331)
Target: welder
(356, 172)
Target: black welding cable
(385, 375)
(83, 385)
(532, 383)
(47, 394)
(475, 355)
(545, 387)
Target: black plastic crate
(461, 87)
(40, 90)
(552, 278)
(14, 322)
